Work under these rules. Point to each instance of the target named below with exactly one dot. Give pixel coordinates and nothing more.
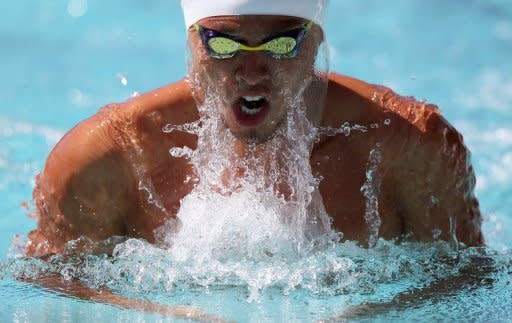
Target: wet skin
(91, 183)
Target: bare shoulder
(372, 100)
(174, 101)
(350, 99)
(109, 130)
(426, 167)
(89, 185)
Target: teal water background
(61, 60)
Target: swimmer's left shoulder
(339, 83)
(428, 164)
(355, 101)
(377, 100)
(420, 122)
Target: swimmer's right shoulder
(89, 185)
(115, 124)
(173, 102)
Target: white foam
(492, 90)
(3, 162)
(77, 8)
(500, 136)
(501, 170)
(79, 98)
(249, 216)
(493, 148)
(503, 30)
(10, 128)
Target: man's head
(255, 57)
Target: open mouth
(252, 105)
(251, 110)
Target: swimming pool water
(61, 60)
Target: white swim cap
(195, 10)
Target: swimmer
(251, 53)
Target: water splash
(192, 127)
(151, 198)
(254, 202)
(255, 219)
(345, 129)
(341, 269)
(371, 190)
(179, 152)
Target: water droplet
(387, 122)
(436, 234)
(371, 191)
(122, 79)
(179, 152)
(192, 128)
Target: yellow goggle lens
(281, 45)
(226, 46)
(222, 45)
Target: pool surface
(61, 60)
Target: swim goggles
(282, 45)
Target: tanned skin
(95, 181)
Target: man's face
(253, 87)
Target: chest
(352, 172)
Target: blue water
(60, 61)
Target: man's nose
(252, 70)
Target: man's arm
(435, 178)
(75, 288)
(86, 187)
(428, 182)
(477, 274)
(90, 185)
